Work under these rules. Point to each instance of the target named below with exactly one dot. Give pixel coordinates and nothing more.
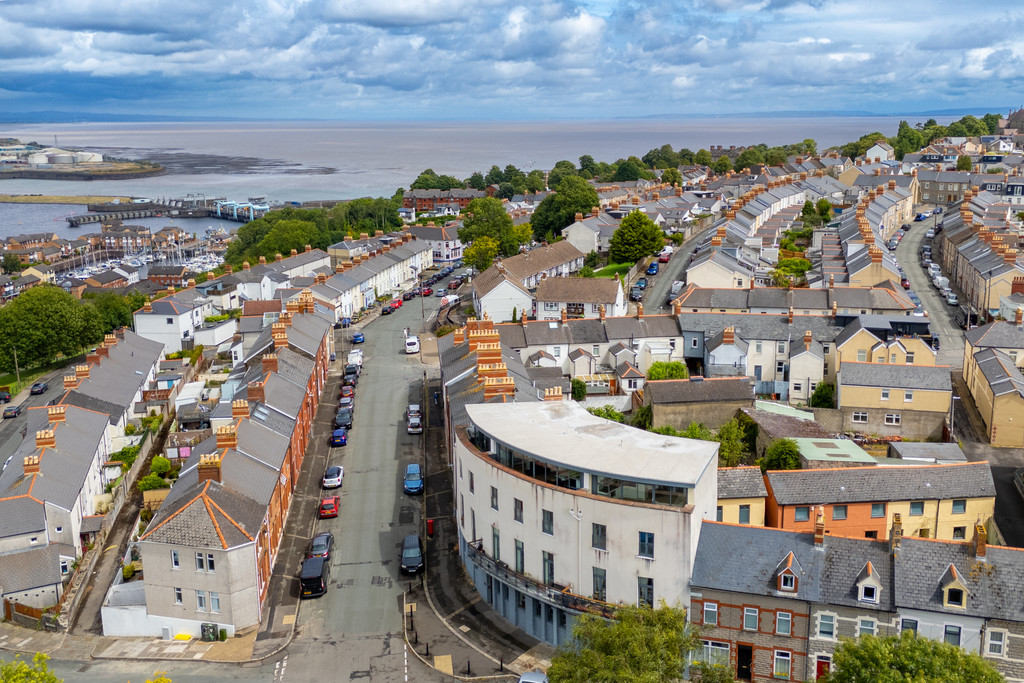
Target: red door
(824, 664)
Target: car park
(333, 477)
(413, 481)
(320, 545)
(358, 338)
(329, 507)
(412, 554)
(339, 437)
(343, 418)
(39, 388)
(12, 411)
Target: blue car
(339, 437)
(653, 268)
(358, 338)
(413, 482)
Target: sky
(507, 60)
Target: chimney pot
(209, 466)
(819, 527)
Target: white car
(333, 477)
(412, 344)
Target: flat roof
(839, 450)
(782, 409)
(564, 433)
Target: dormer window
(869, 588)
(786, 574)
(787, 582)
(868, 594)
(954, 597)
(954, 591)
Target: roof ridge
(207, 503)
(174, 514)
(230, 519)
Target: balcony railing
(554, 594)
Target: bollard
(501, 664)
(415, 637)
(468, 672)
(428, 649)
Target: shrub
(445, 329)
(129, 430)
(160, 466)
(151, 482)
(127, 571)
(578, 389)
(824, 396)
(781, 454)
(146, 515)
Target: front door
(744, 661)
(757, 373)
(823, 667)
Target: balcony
(553, 594)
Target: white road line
(406, 649)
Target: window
(892, 419)
(996, 642)
(780, 368)
(797, 387)
(838, 512)
(64, 567)
(177, 596)
(494, 498)
(599, 536)
(716, 653)
(548, 562)
(866, 627)
(646, 548)
(209, 562)
(757, 347)
(472, 486)
(201, 601)
(783, 663)
(959, 506)
(645, 591)
(58, 529)
(802, 513)
(200, 562)
(781, 347)
(597, 349)
(744, 514)
(826, 626)
(495, 544)
(600, 584)
(787, 582)
(873, 534)
(520, 557)
(517, 510)
(556, 351)
(885, 394)
(550, 305)
(952, 635)
(718, 514)
(783, 623)
(170, 321)
(909, 625)
(868, 593)
(878, 510)
(749, 618)
(174, 560)
(916, 508)
(548, 522)
(959, 533)
(711, 614)
(860, 417)
(910, 357)
(214, 601)
(862, 355)
(908, 396)
(954, 597)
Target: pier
(189, 207)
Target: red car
(396, 304)
(329, 507)
(664, 258)
(426, 291)
(348, 392)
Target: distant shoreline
(44, 174)
(60, 199)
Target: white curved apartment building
(560, 512)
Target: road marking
(279, 668)
(443, 663)
(464, 607)
(406, 653)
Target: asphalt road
(656, 297)
(12, 430)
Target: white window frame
(995, 647)
(797, 387)
(215, 602)
(787, 582)
(860, 417)
(201, 601)
(885, 394)
(959, 634)
(908, 396)
(177, 596)
(832, 620)
(893, 419)
(175, 564)
(751, 612)
(864, 597)
(710, 608)
(786, 617)
(715, 653)
(866, 627)
(782, 656)
(910, 357)
(862, 356)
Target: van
(451, 300)
(412, 344)
(315, 576)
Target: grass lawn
(613, 269)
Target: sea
(299, 161)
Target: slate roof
(741, 482)
(486, 281)
(785, 426)
(925, 377)
(586, 290)
(209, 515)
(33, 568)
(873, 484)
(1001, 373)
(999, 334)
(699, 390)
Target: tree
(113, 310)
(667, 370)
(535, 180)
(11, 264)
(732, 443)
(722, 165)
(19, 671)
(702, 158)
(151, 482)
(285, 236)
(476, 181)
(578, 388)
(522, 234)
(160, 465)
(781, 454)
(573, 195)
(43, 323)
(627, 171)
(586, 271)
(481, 253)
(824, 396)
(749, 158)
(964, 163)
(697, 430)
(636, 237)
(672, 176)
(907, 657)
(486, 217)
(637, 645)
(560, 171)
(506, 191)
(607, 412)
(908, 140)
(588, 167)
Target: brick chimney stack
(227, 437)
(601, 312)
(31, 464)
(554, 394)
(980, 542)
(270, 361)
(729, 335)
(1018, 318)
(789, 316)
(896, 533)
(209, 468)
(639, 311)
(45, 439)
(819, 527)
(808, 338)
(56, 413)
(255, 392)
(239, 409)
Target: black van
(316, 574)
(412, 554)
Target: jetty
(189, 207)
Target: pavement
(448, 626)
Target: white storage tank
(62, 158)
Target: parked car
(653, 268)
(642, 283)
(905, 283)
(386, 310)
(919, 312)
(929, 235)
(5, 397)
(636, 294)
(455, 283)
(333, 477)
(664, 258)
(533, 677)
(413, 481)
(952, 299)
(39, 388)
(347, 391)
(915, 298)
(412, 344)
(413, 410)
(329, 507)
(12, 411)
(440, 292)
(339, 437)
(905, 226)
(414, 425)
(920, 217)
(347, 402)
(396, 303)
(353, 369)
(892, 244)
(412, 554)
(320, 545)
(343, 419)
(410, 295)
(426, 291)
(358, 338)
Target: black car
(636, 294)
(5, 397)
(412, 554)
(320, 545)
(386, 310)
(410, 295)
(343, 419)
(39, 388)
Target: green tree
(535, 181)
(702, 158)
(486, 217)
(964, 163)
(481, 253)
(781, 454)
(749, 158)
(11, 264)
(588, 167)
(556, 211)
(627, 171)
(636, 237)
(43, 323)
(991, 122)
(113, 310)
(907, 657)
(586, 271)
(672, 176)
(667, 370)
(476, 181)
(824, 396)
(607, 412)
(494, 176)
(578, 388)
(522, 234)
(722, 165)
(560, 171)
(19, 671)
(908, 140)
(638, 645)
(697, 430)
(507, 191)
(732, 442)
(151, 482)
(160, 465)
